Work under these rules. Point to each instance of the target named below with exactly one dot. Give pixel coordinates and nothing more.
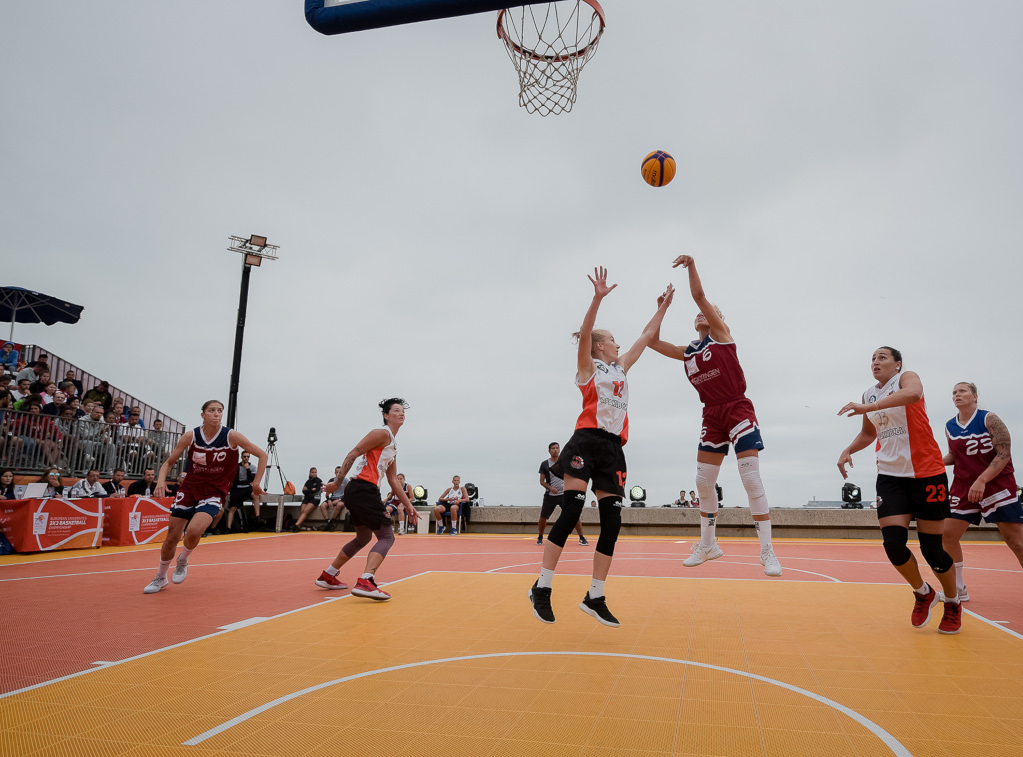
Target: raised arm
(911, 389)
(376, 438)
(719, 332)
(586, 366)
(179, 448)
(629, 359)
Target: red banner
(135, 520)
(43, 525)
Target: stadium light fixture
(637, 495)
(852, 497)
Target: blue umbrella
(19, 305)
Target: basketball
(658, 168)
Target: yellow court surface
(456, 664)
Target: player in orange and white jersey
(370, 462)
(594, 453)
(911, 482)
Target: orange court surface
(248, 657)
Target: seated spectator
(681, 501)
(5, 433)
(48, 393)
(88, 487)
(39, 386)
(137, 412)
(95, 440)
(132, 440)
(146, 486)
(393, 506)
(6, 380)
(22, 391)
(114, 487)
(76, 405)
(311, 491)
(34, 434)
(56, 405)
(7, 483)
(34, 371)
(54, 484)
(694, 501)
(117, 407)
(450, 501)
(159, 443)
(9, 358)
(70, 376)
(69, 388)
(335, 502)
(99, 393)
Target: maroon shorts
(730, 423)
(186, 505)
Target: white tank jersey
(605, 400)
(905, 442)
(372, 466)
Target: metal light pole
(254, 249)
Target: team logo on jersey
(691, 366)
(706, 355)
(198, 456)
(603, 368)
(577, 462)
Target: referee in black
(553, 493)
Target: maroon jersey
(972, 452)
(211, 467)
(713, 369)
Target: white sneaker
(701, 554)
(964, 596)
(155, 585)
(770, 562)
(180, 571)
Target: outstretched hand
(683, 260)
(600, 287)
(665, 299)
(854, 408)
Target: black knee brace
(934, 553)
(895, 538)
(610, 524)
(571, 508)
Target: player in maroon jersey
(713, 369)
(983, 484)
(212, 466)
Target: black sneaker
(598, 609)
(583, 542)
(541, 601)
(539, 541)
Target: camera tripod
(272, 461)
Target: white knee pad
(749, 473)
(706, 477)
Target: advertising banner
(42, 525)
(135, 520)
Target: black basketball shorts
(596, 456)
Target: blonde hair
(596, 337)
(717, 310)
(973, 387)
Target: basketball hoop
(549, 44)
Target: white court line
(994, 623)
(662, 559)
(105, 665)
(890, 741)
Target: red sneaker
(952, 620)
(327, 581)
(922, 608)
(367, 587)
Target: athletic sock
(164, 567)
(953, 600)
(546, 579)
(764, 533)
(923, 589)
(708, 528)
(596, 588)
(959, 576)
(367, 576)
(185, 552)
(330, 570)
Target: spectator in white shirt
(88, 487)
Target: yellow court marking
(456, 664)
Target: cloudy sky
(849, 176)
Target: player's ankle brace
(571, 508)
(610, 524)
(934, 553)
(706, 477)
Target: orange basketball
(658, 168)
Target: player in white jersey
(595, 452)
(370, 462)
(911, 482)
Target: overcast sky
(849, 176)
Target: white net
(549, 44)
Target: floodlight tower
(254, 250)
